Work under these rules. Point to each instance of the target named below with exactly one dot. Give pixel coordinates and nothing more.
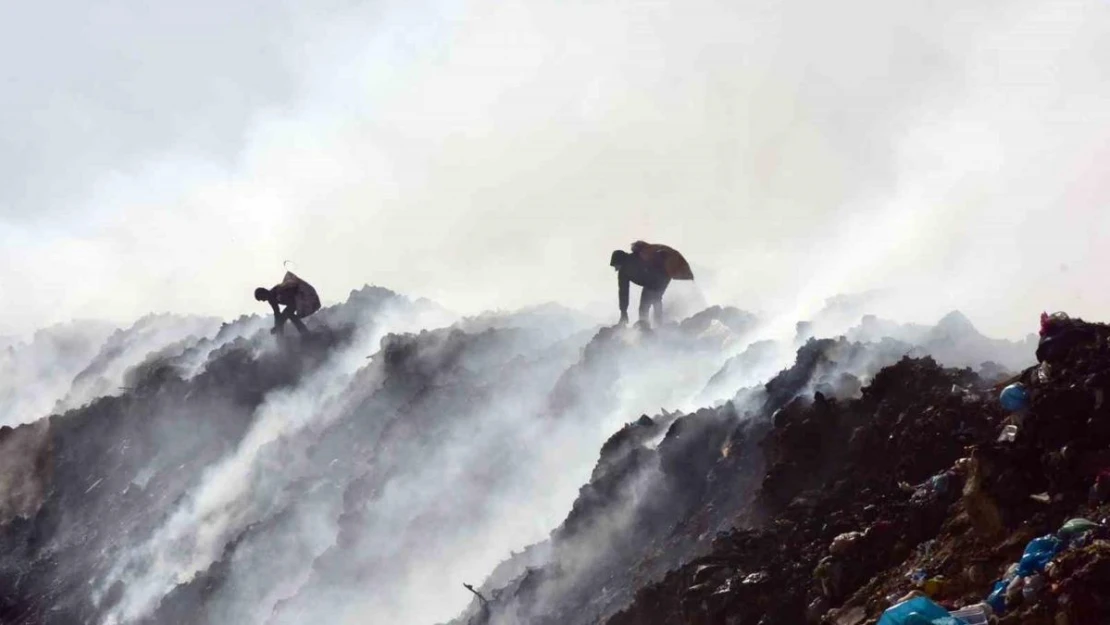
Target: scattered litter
(853, 616)
(1037, 554)
(1077, 526)
(978, 614)
(1031, 589)
(1014, 398)
(934, 585)
(844, 543)
(1100, 490)
(917, 611)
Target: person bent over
(297, 296)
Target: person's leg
(657, 306)
(646, 297)
(288, 315)
(279, 321)
(658, 303)
(297, 323)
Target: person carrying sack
(651, 266)
(298, 297)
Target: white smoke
(36, 374)
(223, 504)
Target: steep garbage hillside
(224, 475)
(662, 488)
(195, 472)
(84, 486)
(921, 487)
(494, 435)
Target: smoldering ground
(238, 478)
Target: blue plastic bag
(1014, 398)
(1038, 553)
(997, 599)
(918, 611)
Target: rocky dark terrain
(198, 472)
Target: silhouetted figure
(651, 266)
(298, 297)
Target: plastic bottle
(1044, 372)
(978, 614)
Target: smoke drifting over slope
(489, 155)
(226, 476)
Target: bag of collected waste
(306, 301)
(918, 611)
(669, 258)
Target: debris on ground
(917, 499)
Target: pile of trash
(937, 497)
(857, 486)
(662, 489)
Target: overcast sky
(169, 156)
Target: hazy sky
(169, 156)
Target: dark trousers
(653, 298)
(290, 315)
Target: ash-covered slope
(503, 431)
(210, 473)
(224, 476)
(661, 489)
(83, 487)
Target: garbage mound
(922, 501)
(662, 488)
(201, 473)
(109, 460)
(81, 487)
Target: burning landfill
(513, 468)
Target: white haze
(552, 458)
(491, 154)
(223, 504)
(496, 473)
